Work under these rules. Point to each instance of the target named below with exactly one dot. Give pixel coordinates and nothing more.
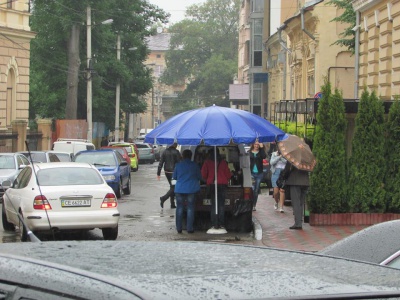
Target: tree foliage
(392, 156)
(328, 180)
(53, 20)
(347, 37)
(203, 50)
(367, 165)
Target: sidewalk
(272, 229)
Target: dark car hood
(373, 244)
(197, 270)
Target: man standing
(168, 160)
(298, 182)
(187, 175)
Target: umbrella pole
(216, 180)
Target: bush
(367, 164)
(328, 180)
(392, 156)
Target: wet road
(142, 218)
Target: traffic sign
(318, 95)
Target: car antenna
(41, 194)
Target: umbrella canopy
(297, 152)
(214, 125)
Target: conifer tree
(328, 180)
(392, 151)
(367, 162)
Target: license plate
(208, 201)
(75, 203)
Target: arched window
(10, 101)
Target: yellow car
(132, 152)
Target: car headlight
(109, 177)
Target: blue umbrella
(214, 125)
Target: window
(257, 42)
(258, 6)
(10, 3)
(23, 178)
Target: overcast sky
(177, 10)
(175, 7)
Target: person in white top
(277, 163)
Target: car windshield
(36, 156)
(7, 162)
(68, 176)
(97, 158)
(63, 156)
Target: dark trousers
(298, 197)
(170, 194)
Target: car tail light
(110, 201)
(41, 202)
(247, 193)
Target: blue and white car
(113, 167)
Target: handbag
(283, 176)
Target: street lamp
(89, 70)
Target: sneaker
(276, 206)
(281, 210)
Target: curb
(257, 229)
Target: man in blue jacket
(187, 175)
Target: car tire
(6, 225)
(110, 234)
(22, 231)
(118, 192)
(127, 190)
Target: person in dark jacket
(257, 154)
(298, 182)
(169, 158)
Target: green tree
(392, 155)
(347, 37)
(54, 22)
(328, 180)
(203, 50)
(367, 163)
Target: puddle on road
(132, 216)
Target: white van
(73, 145)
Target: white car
(60, 196)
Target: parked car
(378, 244)
(121, 151)
(146, 153)
(112, 166)
(47, 156)
(11, 165)
(239, 193)
(72, 145)
(204, 270)
(158, 150)
(132, 152)
(60, 196)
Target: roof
(159, 42)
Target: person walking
(169, 158)
(104, 142)
(277, 164)
(298, 182)
(257, 154)
(187, 175)
(223, 176)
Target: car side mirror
(6, 184)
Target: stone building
(15, 37)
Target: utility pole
(89, 72)
(118, 91)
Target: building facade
(15, 37)
(378, 57)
